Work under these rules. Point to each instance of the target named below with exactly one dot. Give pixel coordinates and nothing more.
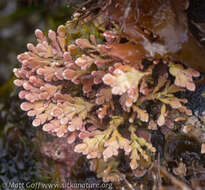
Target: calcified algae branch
(84, 84)
(137, 152)
(105, 143)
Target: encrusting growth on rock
(84, 84)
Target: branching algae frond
(92, 85)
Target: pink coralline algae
(85, 87)
(43, 73)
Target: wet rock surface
(196, 100)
